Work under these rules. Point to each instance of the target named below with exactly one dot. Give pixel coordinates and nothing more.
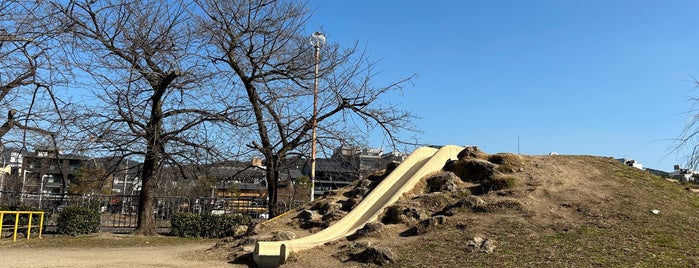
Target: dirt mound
(508, 210)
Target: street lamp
(24, 181)
(317, 41)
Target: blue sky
(607, 78)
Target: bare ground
(189, 255)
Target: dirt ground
(189, 255)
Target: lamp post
(317, 41)
(24, 181)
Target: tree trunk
(154, 148)
(272, 181)
(146, 217)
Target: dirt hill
(505, 210)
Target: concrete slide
(421, 162)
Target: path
(162, 256)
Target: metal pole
(317, 40)
(41, 190)
(315, 123)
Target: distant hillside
(551, 211)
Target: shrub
(78, 220)
(208, 226)
(499, 183)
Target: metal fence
(119, 212)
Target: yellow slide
(421, 162)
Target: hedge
(207, 226)
(78, 220)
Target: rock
(469, 202)
(353, 247)
(359, 192)
(283, 235)
(481, 244)
(239, 230)
(350, 204)
(333, 215)
(363, 183)
(476, 170)
(375, 255)
(470, 152)
(488, 246)
(442, 182)
(326, 207)
(306, 215)
(400, 214)
(428, 224)
(369, 229)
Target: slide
(421, 162)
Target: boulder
(476, 170)
(239, 230)
(428, 224)
(481, 244)
(400, 214)
(333, 215)
(359, 192)
(350, 204)
(442, 182)
(283, 235)
(470, 152)
(306, 215)
(325, 207)
(375, 255)
(370, 229)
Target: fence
(24, 225)
(119, 212)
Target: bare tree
(687, 143)
(154, 102)
(262, 45)
(26, 33)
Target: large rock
(428, 224)
(306, 215)
(476, 170)
(359, 192)
(239, 230)
(375, 255)
(333, 215)
(400, 214)
(470, 152)
(481, 244)
(350, 203)
(283, 235)
(370, 229)
(470, 202)
(325, 207)
(442, 182)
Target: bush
(78, 220)
(207, 226)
